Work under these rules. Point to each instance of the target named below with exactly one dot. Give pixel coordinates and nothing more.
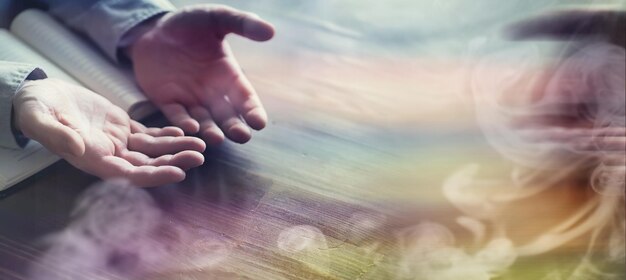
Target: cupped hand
(99, 138)
(187, 69)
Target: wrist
(17, 102)
(135, 34)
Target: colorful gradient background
(374, 165)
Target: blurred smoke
(532, 124)
(301, 238)
(306, 244)
(428, 252)
(119, 232)
(554, 125)
(110, 236)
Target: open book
(35, 37)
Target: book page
(82, 60)
(18, 164)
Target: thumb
(52, 134)
(245, 24)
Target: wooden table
(311, 197)
(322, 178)
(346, 182)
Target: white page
(18, 164)
(82, 60)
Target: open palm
(98, 137)
(187, 69)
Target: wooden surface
(346, 182)
(321, 176)
(311, 197)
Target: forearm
(106, 21)
(12, 76)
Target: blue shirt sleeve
(106, 21)
(12, 76)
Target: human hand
(587, 87)
(99, 138)
(185, 67)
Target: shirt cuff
(106, 21)
(12, 76)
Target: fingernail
(212, 137)
(239, 133)
(256, 119)
(258, 30)
(191, 127)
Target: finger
(178, 115)
(137, 127)
(209, 131)
(226, 118)
(52, 134)
(245, 24)
(565, 24)
(145, 176)
(246, 101)
(184, 160)
(157, 146)
(165, 131)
